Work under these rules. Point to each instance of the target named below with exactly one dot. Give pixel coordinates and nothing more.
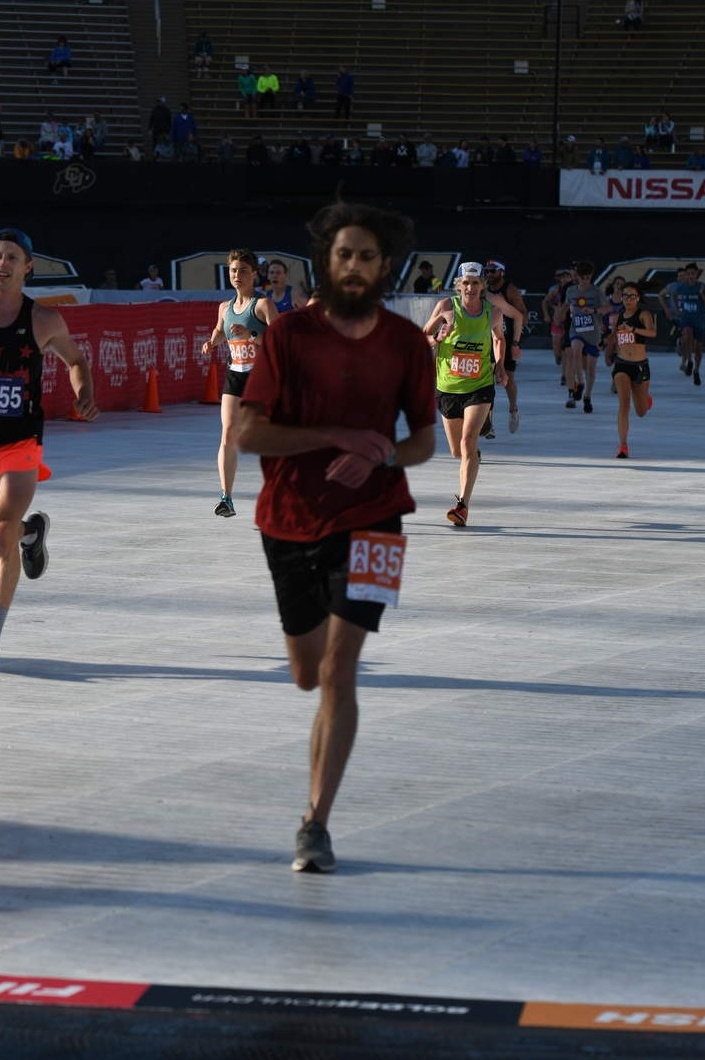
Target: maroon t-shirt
(309, 375)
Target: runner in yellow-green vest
(466, 333)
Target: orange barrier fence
(126, 345)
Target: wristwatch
(391, 459)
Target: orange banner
(613, 1017)
(124, 342)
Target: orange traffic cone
(151, 395)
(211, 395)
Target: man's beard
(351, 305)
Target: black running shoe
(689, 368)
(696, 377)
(587, 405)
(314, 852)
(578, 391)
(35, 558)
(224, 507)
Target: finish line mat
(91, 1020)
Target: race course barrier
(125, 343)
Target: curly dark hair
(393, 231)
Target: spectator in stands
(191, 150)
(666, 132)
(163, 149)
(183, 125)
(462, 154)
(267, 88)
(132, 151)
(48, 133)
(426, 152)
(225, 151)
(299, 153)
(505, 153)
(696, 159)
(641, 157)
(63, 148)
(381, 153)
(203, 55)
(256, 153)
(404, 152)
(633, 15)
(482, 153)
(354, 155)
(344, 93)
(100, 131)
(110, 280)
(247, 87)
(651, 133)
(277, 152)
(568, 152)
(598, 160)
(60, 58)
(331, 152)
(446, 157)
(624, 154)
(426, 283)
(22, 150)
(316, 148)
(532, 155)
(159, 120)
(304, 91)
(86, 144)
(152, 281)
(66, 130)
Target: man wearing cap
(497, 283)
(426, 283)
(585, 305)
(27, 329)
(467, 336)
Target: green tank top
(464, 361)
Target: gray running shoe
(224, 506)
(313, 849)
(513, 421)
(35, 558)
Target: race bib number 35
(375, 565)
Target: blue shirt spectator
(696, 159)
(532, 154)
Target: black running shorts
(310, 580)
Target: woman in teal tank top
(241, 323)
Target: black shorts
(638, 371)
(452, 406)
(310, 581)
(235, 382)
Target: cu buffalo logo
(74, 178)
